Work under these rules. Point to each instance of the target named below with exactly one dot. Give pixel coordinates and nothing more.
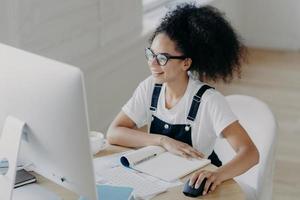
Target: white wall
(272, 23)
(265, 23)
(96, 35)
(232, 9)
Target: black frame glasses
(161, 58)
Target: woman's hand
(213, 180)
(179, 148)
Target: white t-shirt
(214, 113)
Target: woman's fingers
(201, 177)
(196, 153)
(183, 154)
(194, 177)
(180, 152)
(212, 187)
(181, 148)
(192, 152)
(210, 180)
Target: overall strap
(155, 96)
(196, 102)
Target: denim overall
(180, 132)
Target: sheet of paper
(108, 170)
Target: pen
(145, 159)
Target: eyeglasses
(161, 58)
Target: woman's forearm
(244, 160)
(128, 137)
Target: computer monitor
(49, 97)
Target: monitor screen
(49, 97)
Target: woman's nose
(153, 63)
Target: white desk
(228, 190)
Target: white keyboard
(122, 176)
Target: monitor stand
(13, 130)
(9, 149)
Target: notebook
(109, 192)
(157, 162)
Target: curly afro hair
(204, 35)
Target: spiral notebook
(157, 162)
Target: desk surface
(227, 190)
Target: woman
(183, 114)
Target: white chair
(258, 120)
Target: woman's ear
(187, 64)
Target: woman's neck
(176, 89)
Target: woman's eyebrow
(163, 53)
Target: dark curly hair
(204, 35)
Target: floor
(274, 77)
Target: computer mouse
(190, 191)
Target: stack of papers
(108, 170)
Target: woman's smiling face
(173, 68)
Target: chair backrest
(258, 120)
